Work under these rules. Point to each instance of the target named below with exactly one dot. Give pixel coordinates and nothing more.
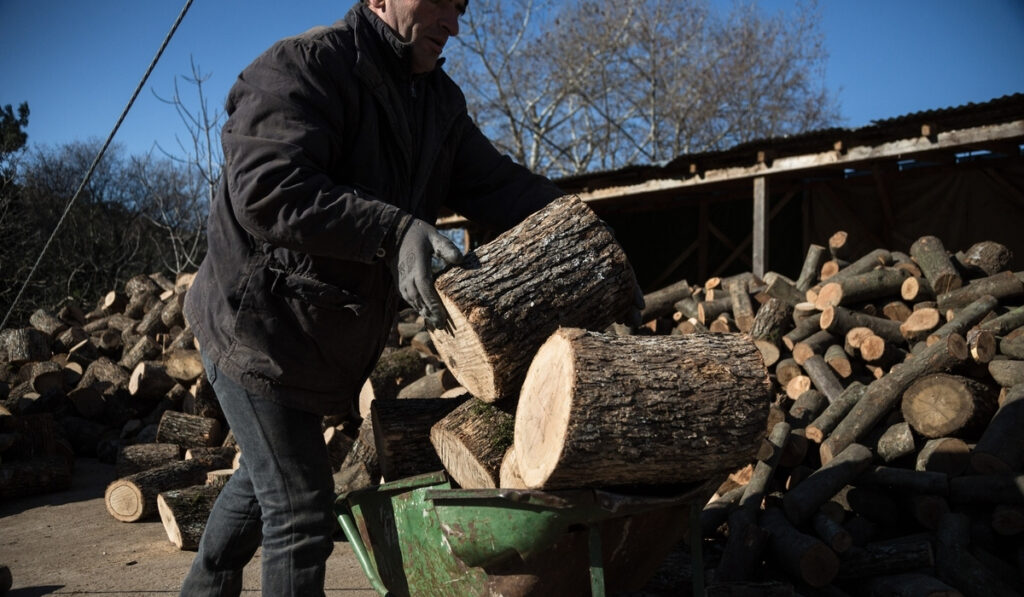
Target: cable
(96, 160)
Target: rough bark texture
(189, 431)
(133, 498)
(471, 442)
(600, 410)
(183, 513)
(140, 457)
(401, 429)
(559, 267)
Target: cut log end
(125, 501)
(462, 349)
(540, 428)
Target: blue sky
(76, 63)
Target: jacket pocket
(300, 332)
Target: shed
(956, 173)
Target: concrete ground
(66, 543)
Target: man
(341, 146)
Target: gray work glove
(411, 268)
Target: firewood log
(1012, 319)
(135, 458)
(806, 558)
(133, 498)
(189, 431)
(896, 442)
(984, 258)
(949, 455)
(471, 442)
(940, 405)
(936, 264)
(882, 394)
(662, 302)
(561, 266)
(879, 283)
(35, 475)
(801, 502)
(508, 476)
(823, 378)
(143, 349)
(1007, 372)
(840, 320)
(24, 344)
(1002, 286)
(149, 381)
(589, 416)
(811, 265)
(360, 469)
(1001, 446)
(433, 385)
(818, 429)
(184, 513)
(184, 365)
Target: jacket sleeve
(282, 134)
(489, 188)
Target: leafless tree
(584, 85)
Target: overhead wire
(96, 160)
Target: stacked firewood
(894, 462)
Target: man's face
(426, 24)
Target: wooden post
(760, 232)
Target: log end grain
(125, 501)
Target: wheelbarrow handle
(356, 541)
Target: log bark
(1001, 446)
(823, 377)
(947, 455)
(883, 394)
(184, 365)
(1007, 372)
(935, 263)
(966, 318)
(809, 270)
(896, 442)
(133, 498)
(940, 405)
(433, 385)
(818, 429)
(839, 361)
(880, 283)
(840, 320)
(471, 442)
(920, 324)
(1004, 285)
(589, 415)
(149, 381)
(985, 258)
(803, 501)
(804, 557)
(189, 431)
(184, 513)
(136, 458)
(24, 344)
(661, 303)
(36, 475)
(402, 434)
(143, 349)
(561, 266)
(1011, 320)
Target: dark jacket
(328, 144)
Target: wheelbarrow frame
(419, 536)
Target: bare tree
(586, 85)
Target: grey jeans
(281, 497)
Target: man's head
(425, 24)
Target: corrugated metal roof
(1004, 109)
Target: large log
(184, 512)
(133, 498)
(189, 431)
(561, 266)
(34, 476)
(598, 409)
(135, 458)
(471, 442)
(936, 264)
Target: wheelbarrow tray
(418, 536)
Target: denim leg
(287, 481)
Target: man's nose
(450, 19)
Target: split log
(171, 315)
(189, 431)
(360, 469)
(401, 430)
(184, 365)
(1001, 446)
(940, 405)
(801, 502)
(135, 458)
(561, 266)
(588, 415)
(184, 513)
(24, 344)
(471, 442)
(882, 394)
(149, 381)
(45, 322)
(152, 322)
(935, 263)
(142, 350)
(804, 557)
(133, 498)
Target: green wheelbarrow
(418, 536)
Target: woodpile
(896, 380)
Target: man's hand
(411, 267)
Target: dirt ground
(66, 543)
